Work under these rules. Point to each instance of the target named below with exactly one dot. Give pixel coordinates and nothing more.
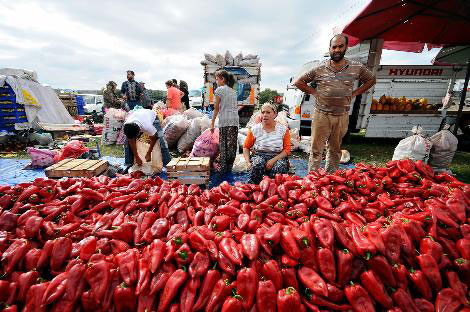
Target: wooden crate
(189, 170)
(77, 168)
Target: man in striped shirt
(335, 81)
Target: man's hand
(148, 157)
(270, 164)
(138, 161)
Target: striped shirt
(269, 142)
(335, 87)
(228, 109)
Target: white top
(228, 110)
(144, 118)
(270, 142)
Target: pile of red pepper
(363, 239)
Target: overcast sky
(83, 44)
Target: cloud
(84, 44)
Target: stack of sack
(229, 60)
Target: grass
(367, 150)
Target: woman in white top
(270, 141)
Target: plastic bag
(254, 119)
(167, 112)
(205, 123)
(282, 119)
(237, 59)
(295, 139)
(239, 165)
(220, 60)
(444, 145)
(210, 58)
(187, 140)
(113, 122)
(175, 127)
(228, 58)
(207, 144)
(73, 149)
(241, 139)
(155, 165)
(250, 57)
(41, 158)
(415, 147)
(192, 113)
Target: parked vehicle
(93, 103)
(195, 98)
(247, 87)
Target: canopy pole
(462, 98)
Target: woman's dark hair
(169, 83)
(183, 85)
(228, 77)
(175, 82)
(131, 130)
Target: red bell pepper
(358, 298)
(317, 300)
(210, 280)
(225, 264)
(343, 237)
(376, 288)
(383, 269)
(31, 259)
(403, 300)
(188, 295)
(431, 270)
(310, 279)
(421, 284)
(34, 298)
(128, 264)
(401, 275)
(326, 262)
(55, 289)
(289, 278)
(247, 282)
(250, 246)
(392, 240)
(266, 296)
(98, 277)
(289, 244)
(447, 300)
(364, 246)
(288, 300)
(199, 265)
(456, 285)
(143, 280)
(463, 247)
(175, 281)
(270, 270)
(324, 230)
(12, 256)
(124, 298)
(220, 292)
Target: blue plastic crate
(13, 117)
(12, 105)
(6, 126)
(11, 111)
(7, 98)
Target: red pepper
(288, 300)
(34, 298)
(308, 257)
(404, 301)
(270, 270)
(266, 296)
(463, 247)
(401, 275)
(55, 289)
(289, 244)
(364, 247)
(250, 246)
(392, 240)
(188, 295)
(219, 293)
(324, 230)
(25, 280)
(429, 246)
(374, 236)
(159, 280)
(447, 300)
(124, 298)
(376, 288)
(344, 258)
(220, 223)
(31, 259)
(326, 262)
(273, 234)
(87, 247)
(127, 262)
(310, 279)
(225, 264)
(238, 195)
(12, 256)
(98, 277)
(230, 249)
(456, 285)
(143, 276)
(199, 265)
(289, 278)
(343, 237)
(246, 286)
(28, 192)
(358, 298)
(431, 270)
(421, 284)
(382, 268)
(232, 304)
(314, 299)
(210, 279)
(175, 281)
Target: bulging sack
(192, 113)
(113, 122)
(228, 58)
(415, 147)
(444, 145)
(155, 165)
(187, 140)
(175, 127)
(41, 158)
(207, 144)
(239, 165)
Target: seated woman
(271, 143)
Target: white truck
(247, 87)
(413, 83)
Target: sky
(84, 44)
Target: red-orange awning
(407, 25)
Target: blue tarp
(11, 171)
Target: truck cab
(93, 103)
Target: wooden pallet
(77, 168)
(189, 170)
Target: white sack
(415, 147)
(175, 127)
(444, 145)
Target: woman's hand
(212, 127)
(270, 164)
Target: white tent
(42, 105)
